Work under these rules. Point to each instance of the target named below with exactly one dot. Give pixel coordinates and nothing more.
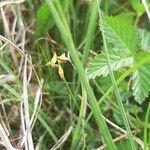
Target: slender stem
(118, 97)
(71, 94)
(137, 20)
(80, 125)
(89, 35)
(90, 32)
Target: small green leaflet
(141, 79)
(123, 46)
(99, 65)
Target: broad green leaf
(128, 16)
(44, 20)
(124, 40)
(145, 42)
(99, 65)
(141, 77)
(121, 34)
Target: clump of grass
(47, 100)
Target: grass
(58, 107)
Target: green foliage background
(102, 90)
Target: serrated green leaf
(99, 65)
(145, 42)
(44, 20)
(121, 34)
(141, 84)
(124, 40)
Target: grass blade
(123, 113)
(92, 100)
(90, 31)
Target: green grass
(72, 111)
